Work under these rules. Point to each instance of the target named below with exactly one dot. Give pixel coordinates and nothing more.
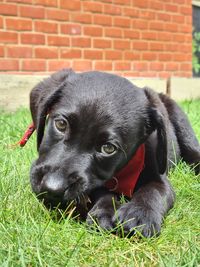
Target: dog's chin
(79, 203)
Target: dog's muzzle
(54, 188)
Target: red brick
(122, 22)
(70, 5)
(56, 40)
(131, 55)
(139, 24)
(186, 67)
(93, 7)
(149, 74)
(133, 34)
(147, 14)
(8, 37)
(171, 27)
(186, 10)
(122, 44)
(188, 20)
(156, 5)
(19, 52)
(72, 29)
(70, 53)
(149, 56)
(33, 65)
(178, 18)
(2, 51)
(171, 7)
(32, 38)
(44, 26)
(82, 65)
(171, 66)
(81, 41)
(103, 65)
(93, 54)
(55, 65)
(178, 37)
(179, 57)
(121, 65)
(156, 66)
(122, 2)
(31, 12)
(165, 37)
(9, 64)
(140, 45)
(8, 9)
(171, 47)
(141, 4)
(156, 46)
(140, 66)
(149, 35)
(163, 16)
(1, 22)
(46, 52)
(113, 32)
(112, 9)
(51, 3)
(185, 28)
(131, 12)
(113, 55)
(102, 43)
(165, 57)
(102, 19)
(82, 18)
(156, 25)
(56, 14)
(93, 31)
(164, 75)
(18, 24)
(21, 1)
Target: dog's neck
(125, 180)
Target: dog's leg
(145, 211)
(103, 210)
(188, 143)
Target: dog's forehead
(108, 90)
(101, 98)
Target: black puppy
(101, 136)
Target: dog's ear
(43, 96)
(158, 121)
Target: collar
(125, 180)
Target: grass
(31, 236)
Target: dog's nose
(53, 185)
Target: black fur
(101, 108)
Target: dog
(100, 136)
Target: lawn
(32, 236)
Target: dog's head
(88, 127)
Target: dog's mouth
(80, 204)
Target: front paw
(133, 218)
(102, 214)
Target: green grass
(31, 236)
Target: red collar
(125, 180)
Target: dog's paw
(132, 218)
(101, 217)
(102, 213)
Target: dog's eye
(108, 149)
(61, 125)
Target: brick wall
(130, 37)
